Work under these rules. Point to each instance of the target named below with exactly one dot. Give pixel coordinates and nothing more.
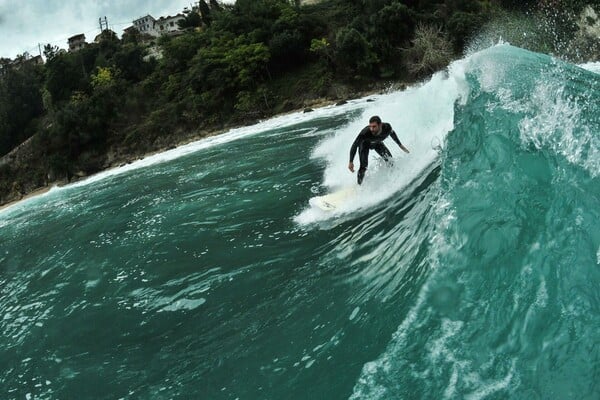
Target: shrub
(430, 51)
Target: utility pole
(103, 24)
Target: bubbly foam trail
(422, 116)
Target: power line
(56, 42)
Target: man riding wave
(372, 137)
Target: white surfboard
(332, 201)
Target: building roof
(77, 37)
(169, 17)
(145, 16)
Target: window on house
(172, 24)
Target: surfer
(372, 137)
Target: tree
(322, 48)
(394, 23)
(20, 104)
(353, 52)
(192, 20)
(226, 67)
(462, 26)
(129, 60)
(243, 62)
(205, 12)
(5, 65)
(215, 6)
(287, 49)
(64, 74)
(180, 50)
(50, 51)
(388, 30)
(254, 18)
(104, 77)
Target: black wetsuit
(366, 141)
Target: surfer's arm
(395, 139)
(354, 147)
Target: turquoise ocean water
(469, 269)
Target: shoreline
(35, 193)
(192, 137)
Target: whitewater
(468, 269)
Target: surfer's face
(374, 127)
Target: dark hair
(375, 118)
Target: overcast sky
(25, 23)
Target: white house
(157, 27)
(168, 24)
(145, 25)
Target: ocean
(468, 269)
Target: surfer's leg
(361, 175)
(363, 155)
(384, 152)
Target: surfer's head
(375, 124)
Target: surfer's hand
(351, 167)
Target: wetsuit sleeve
(355, 145)
(395, 137)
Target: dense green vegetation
(234, 64)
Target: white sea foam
(556, 124)
(592, 66)
(420, 115)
